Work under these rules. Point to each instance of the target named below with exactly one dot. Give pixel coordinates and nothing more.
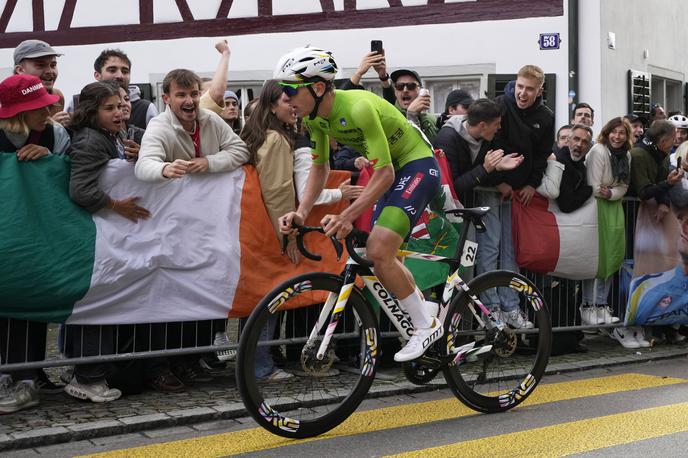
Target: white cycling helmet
(679, 121)
(306, 64)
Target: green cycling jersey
(370, 125)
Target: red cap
(20, 93)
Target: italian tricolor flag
(584, 244)
(208, 251)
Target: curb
(63, 434)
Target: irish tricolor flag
(208, 251)
(587, 243)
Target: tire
(318, 396)
(502, 378)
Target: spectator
(269, 136)
(29, 131)
(680, 122)
(657, 113)
(97, 122)
(650, 176)
(185, 138)
(562, 137)
(414, 105)
(609, 173)
(527, 128)
(38, 58)
(230, 113)
(113, 64)
(574, 190)
(457, 104)
(378, 63)
(132, 135)
(26, 130)
(467, 144)
(637, 127)
(583, 114)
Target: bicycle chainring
(505, 343)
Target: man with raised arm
(406, 175)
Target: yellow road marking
(251, 440)
(569, 438)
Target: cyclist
(406, 175)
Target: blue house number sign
(549, 41)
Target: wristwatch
(384, 78)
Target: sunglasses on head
(290, 89)
(409, 86)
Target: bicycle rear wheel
(286, 328)
(502, 378)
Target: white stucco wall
(503, 45)
(658, 27)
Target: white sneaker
(221, 338)
(605, 316)
(516, 319)
(94, 392)
(419, 342)
(589, 315)
(625, 337)
(639, 336)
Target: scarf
(620, 165)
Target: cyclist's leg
(416, 184)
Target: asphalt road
(637, 410)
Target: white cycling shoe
(419, 342)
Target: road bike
(323, 330)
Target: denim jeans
(264, 364)
(596, 295)
(496, 249)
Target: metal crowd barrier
(171, 340)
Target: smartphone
(678, 162)
(376, 46)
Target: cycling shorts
(416, 184)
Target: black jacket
(574, 190)
(529, 132)
(466, 173)
(91, 151)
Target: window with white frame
(668, 93)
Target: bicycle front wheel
(504, 376)
(291, 386)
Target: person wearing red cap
(25, 124)
(26, 130)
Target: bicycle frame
(390, 305)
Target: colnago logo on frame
(392, 305)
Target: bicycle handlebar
(351, 240)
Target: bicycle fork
(468, 351)
(339, 304)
